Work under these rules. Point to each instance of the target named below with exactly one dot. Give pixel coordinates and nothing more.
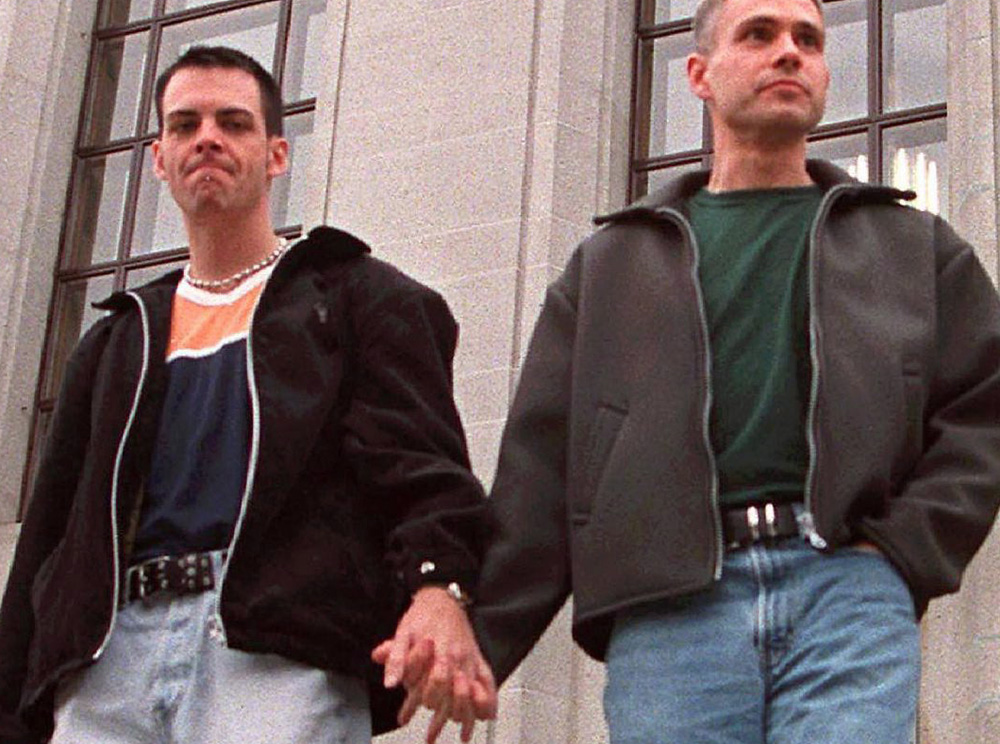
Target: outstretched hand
(435, 656)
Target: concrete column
(474, 160)
(43, 58)
(960, 696)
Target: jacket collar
(322, 244)
(675, 194)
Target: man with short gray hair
(756, 430)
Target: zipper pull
(807, 526)
(215, 630)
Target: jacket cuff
(451, 572)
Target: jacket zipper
(217, 629)
(144, 319)
(807, 520)
(713, 495)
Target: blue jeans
(792, 646)
(164, 679)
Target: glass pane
(252, 30)
(288, 191)
(849, 153)
(847, 56)
(175, 5)
(74, 315)
(159, 225)
(98, 205)
(305, 44)
(673, 10)
(650, 181)
(138, 277)
(915, 157)
(915, 49)
(120, 12)
(115, 88)
(675, 113)
(42, 423)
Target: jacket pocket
(913, 412)
(604, 432)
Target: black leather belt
(179, 574)
(744, 525)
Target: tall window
(885, 115)
(122, 227)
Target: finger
(488, 688)
(396, 661)
(410, 705)
(438, 687)
(484, 701)
(468, 729)
(461, 704)
(381, 652)
(439, 719)
(418, 662)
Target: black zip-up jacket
(606, 485)
(358, 473)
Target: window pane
(138, 277)
(847, 56)
(915, 157)
(650, 181)
(38, 439)
(97, 208)
(173, 6)
(288, 191)
(849, 153)
(115, 88)
(675, 113)
(251, 30)
(158, 222)
(305, 43)
(916, 61)
(120, 12)
(673, 10)
(74, 316)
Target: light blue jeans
(164, 680)
(792, 646)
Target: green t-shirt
(753, 274)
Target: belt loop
(753, 522)
(770, 520)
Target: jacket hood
(675, 194)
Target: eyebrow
(769, 20)
(225, 111)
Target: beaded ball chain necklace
(239, 276)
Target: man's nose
(787, 52)
(208, 137)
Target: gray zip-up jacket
(606, 486)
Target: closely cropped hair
(704, 23)
(207, 57)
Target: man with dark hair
(206, 57)
(253, 466)
(757, 430)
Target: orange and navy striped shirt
(199, 463)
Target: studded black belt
(178, 574)
(744, 525)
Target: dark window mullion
(131, 205)
(281, 43)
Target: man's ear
(157, 156)
(697, 65)
(277, 156)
